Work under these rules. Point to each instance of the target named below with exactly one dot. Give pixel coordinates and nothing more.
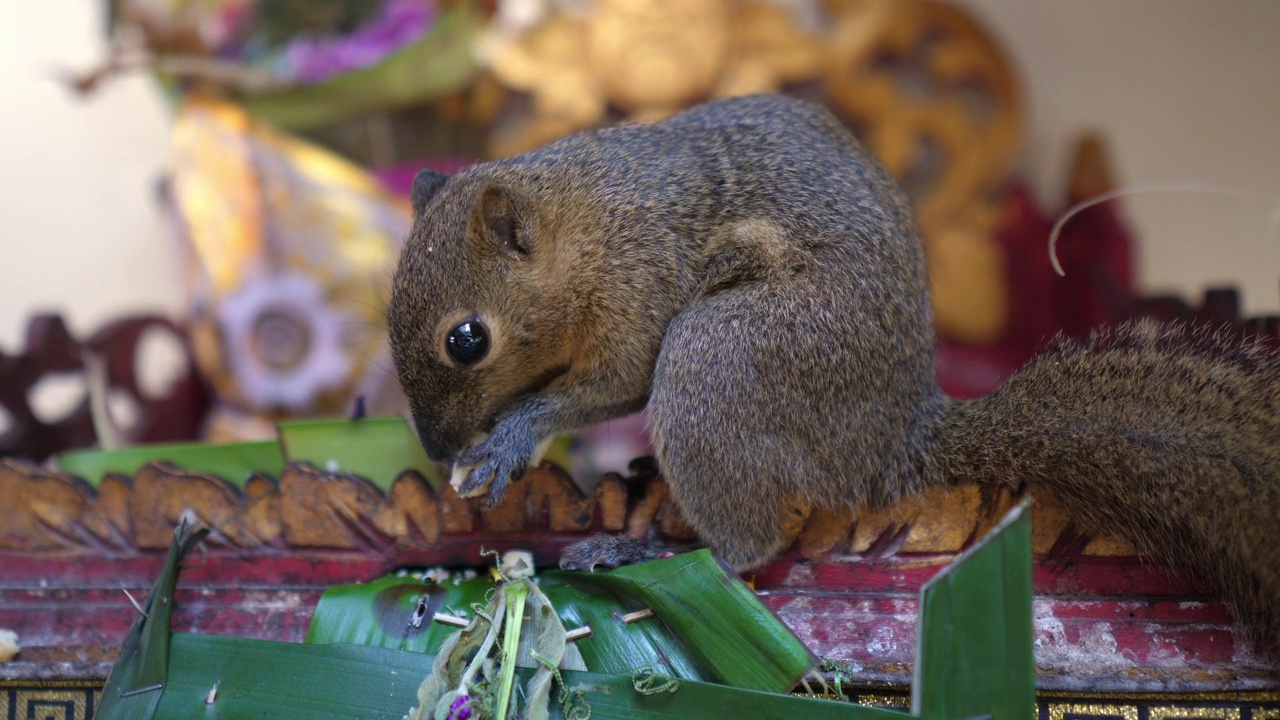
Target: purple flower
(310, 60)
(460, 709)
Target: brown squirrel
(747, 272)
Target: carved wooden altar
(1105, 621)
(933, 95)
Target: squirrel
(752, 277)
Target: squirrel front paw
(497, 461)
(606, 550)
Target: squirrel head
(475, 320)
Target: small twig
(637, 615)
(136, 606)
(139, 691)
(444, 619)
(577, 633)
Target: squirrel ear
(501, 222)
(425, 185)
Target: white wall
(1185, 90)
(79, 230)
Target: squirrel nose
(436, 449)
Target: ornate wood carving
(307, 508)
(847, 586)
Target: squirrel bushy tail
(1166, 437)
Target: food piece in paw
(459, 473)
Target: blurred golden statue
(645, 59)
(923, 85)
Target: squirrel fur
(750, 275)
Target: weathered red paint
(1101, 622)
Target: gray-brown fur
(1168, 438)
(747, 271)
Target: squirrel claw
(496, 462)
(497, 474)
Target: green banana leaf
(707, 624)
(381, 613)
(282, 681)
(973, 661)
(138, 678)
(378, 449)
(233, 462)
(974, 641)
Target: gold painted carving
(925, 86)
(936, 100)
(1092, 711)
(1183, 712)
(646, 59)
(49, 512)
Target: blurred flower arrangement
(287, 246)
(295, 63)
(288, 249)
(302, 42)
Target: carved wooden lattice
(175, 414)
(307, 508)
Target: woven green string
(573, 703)
(648, 681)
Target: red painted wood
(1094, 630)
(1093, 576)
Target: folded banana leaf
(376, 448)
(233, 462)
(974, 656)
(706, 623)
(974, 641)
(140, 674)
(234, 678)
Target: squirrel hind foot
(608, 551)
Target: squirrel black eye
(468, 342)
